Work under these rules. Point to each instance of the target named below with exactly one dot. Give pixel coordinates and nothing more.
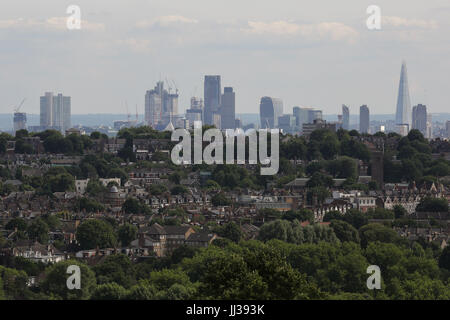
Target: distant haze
(90, 120)
(310, 53)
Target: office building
(46, 110)
(345, 117)
(419, 118)
(447, 129)
(287, 123)
(296, 111)
(403, 113)
(308, 128)
(153, 107)
(314, 115)
(20, 121)
(212, 98)
(217, 120)
(364, 119)
(55, 112)
(161, 106)
(227, 109)
(269, 111)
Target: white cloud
(275, 28)
(336, 31)
(166, 21)
(136, 45)
(404, 22)
(50, 24)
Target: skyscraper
(364, 119)
(269, 111)
(345, 117)
(46, 110)
(227, 109)
(153, 105)
(212, 98)
(296, 112)
(161, 106)
(419, 118)
(61, 112)
(55, 111)
(403, 114)
(314, 115)
(195, 112)
(20, 121)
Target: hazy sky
(312, 53)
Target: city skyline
(300, 55)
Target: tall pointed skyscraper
(403, 115)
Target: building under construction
(20, 121)
(20, 118)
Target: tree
(178, 189)
(115, 268)
(230, 231)
(88, 205)
(319, 180)
(429, 204)
(38, 231)
(55, 282)
(132, 205)
(348, 273)
(183, 251)
(220, 199)
(142, 291)
(14, 283)
(95, 233)
(356, 218)
(444, 259)
(109, 291)
(224, 275)
(377, 232)
(95, 188)
(300, 215)
(18, 223)
(344, 231)
(283, 282)
(278, 229)
(127, 233)
(157, 189)
(400, 211)
(127, 154)
(61, 182)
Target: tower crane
(17, 108)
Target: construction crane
(168, 85)
(128, 113)
(17, 108)
(175, 86)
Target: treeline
(249, 270)
(413, 160)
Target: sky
(308, 53)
